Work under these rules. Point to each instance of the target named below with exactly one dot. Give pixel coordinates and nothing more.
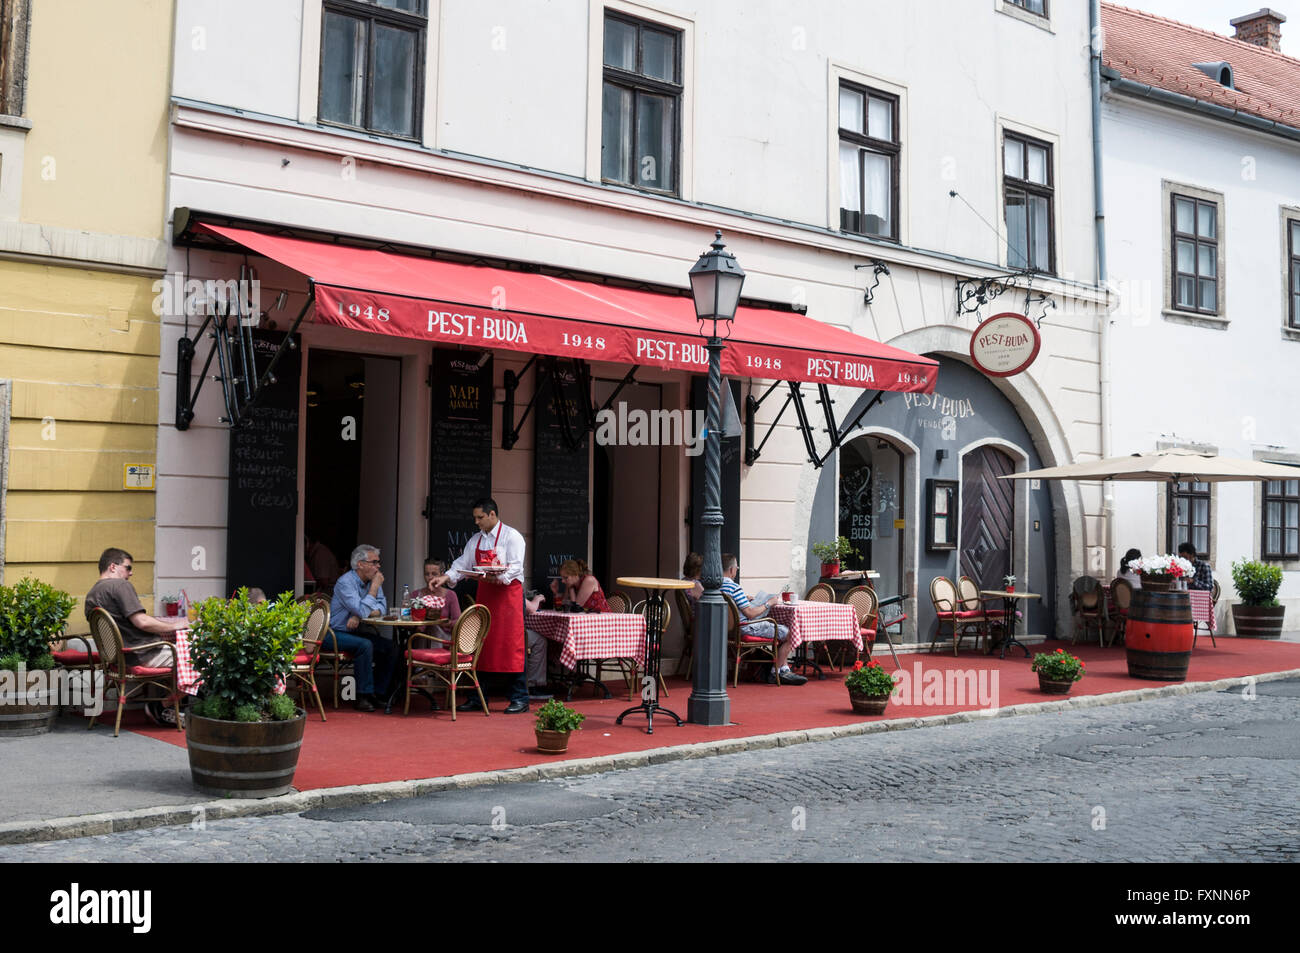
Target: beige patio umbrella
(1165, 466)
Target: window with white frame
(372, 65)
(869, 158)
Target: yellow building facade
(84, 99)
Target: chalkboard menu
(460, 464)
(731, 459)
(856, 508)
(561, 469)
(262, 490)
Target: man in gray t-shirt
(115, 595)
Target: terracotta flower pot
(868, 704)
(552, 742)
(1052, 687)
(830, 569)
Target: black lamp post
(716, 280)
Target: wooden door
(988, 507)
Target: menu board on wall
(262, 489)
(561, 474)
(460, 457)
(731, 459)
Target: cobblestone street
(1206, 777)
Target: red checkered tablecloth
(1202, 607)
(818, 622)
(186, 676)
(591, 635)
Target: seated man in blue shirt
(730, 570)
(358, 596)
(1203, 579)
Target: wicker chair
(1121, 597)
(821, 592)
(743, 644)
(467, 641)
(303, 672)
(865, 604)
(128, 679)
(618, 601)
(686, 610)
(947, 606)
(334, 660)
(1088, 606)
(970, 600)
(1196, 626)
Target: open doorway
(353, 442)
(871, 508)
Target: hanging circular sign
(1005, 344)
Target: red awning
(450, 303)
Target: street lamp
(716, 280)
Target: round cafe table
(402, 629)
(656, 612)
(1009, 615)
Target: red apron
(503, 651)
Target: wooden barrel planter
(1258, 622)
(1158, 636)
(244, 759)
(34, 715)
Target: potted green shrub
(1258, 615)
(830, 553)
(1057, 671)
(869, 688)
(243, 735)
(555, 721)
(32, 615)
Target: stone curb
(90, 825)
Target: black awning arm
(837, 434)
(752, 452)
(509, 428)
(257, 388)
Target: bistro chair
(130, 680)
(466, 641)
(821, 592)
(1121, 598)
(947, 607)
(970, 600)
(744, 644)
(1088, 605)
(303, 671)
(618, 601)
(337, 661)
(686, 609)
(84, 659)
(883, 624)
(866, 605)
(1196, 626)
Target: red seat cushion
(76, 658)
(970, 614)
(437, 656)
(302, 659)
(756, 638)
(868, 634)
(145, 671)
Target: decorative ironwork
(974, 293)
(836, 432)
(878, 268)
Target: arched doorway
(988, 516)
(871, 492)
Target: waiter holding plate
(496, 558)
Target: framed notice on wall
(940, 514)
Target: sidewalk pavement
(73, 782)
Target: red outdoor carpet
(354, 748)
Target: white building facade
(606, 141)
(1203, 233)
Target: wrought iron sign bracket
(232, 345)
(974, 293)
(836, 433)
(878, 268)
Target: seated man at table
(1203, 579)
(539, 649)
(358, 595)
(433, 568)
(730, 570)
(114, 594)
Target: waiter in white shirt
(498, 553)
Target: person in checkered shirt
(730, 570)
(1203, 579)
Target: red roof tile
(1160, 52)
